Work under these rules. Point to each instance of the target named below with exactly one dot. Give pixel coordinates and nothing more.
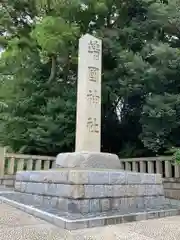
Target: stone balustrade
(10, 163)
(161, 165)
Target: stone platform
(86, 191)
(77, 198)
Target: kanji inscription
(93, 97)
(94, 48)
(93, 74)
(92, 125)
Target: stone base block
(96, 205)
(88, 160)
(88, 191)
(89, 177)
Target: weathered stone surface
(23, 187)
(80, 191)
(90, 191)
(47, 201)
(132, 190)
(94, 205)
(99, 191)
(112, 177)
(142, 190)
(63, 190)
(17, 186)
(78, 177)
(117, 177)
(116, 203)
(153, 201)
(23, 176)
(152, 178)
(62, 204)
(140, 203)
(51, 189)
(77, 191)
(51, 176)
(119, 190)
(78, 206)
(37, 188)
(108, 190)
(134, 178)
(91, 176)
(105, 204)
(38, 199)
(88, 160)
(98, 177)
(153, 190)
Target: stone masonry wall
(172, 188)
(86, 191)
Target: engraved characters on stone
(94, 48)
(92, 125)
(93, 97)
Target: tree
(39, 73)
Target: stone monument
(88, 188)
(88, 120)
(88, 123)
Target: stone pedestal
(88, 160)
(92, 191)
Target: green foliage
(176, 156)
(140, 78)
(53, 34)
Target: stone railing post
(46, 165)
(2, 161)
(38, 164)
(128, 166)
(142, 167)
(168, 169)
(135, 166)
(150, 167)
(54, 164)
(159, 167)
(11, 164)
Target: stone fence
(162, 165)
(10, 163)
